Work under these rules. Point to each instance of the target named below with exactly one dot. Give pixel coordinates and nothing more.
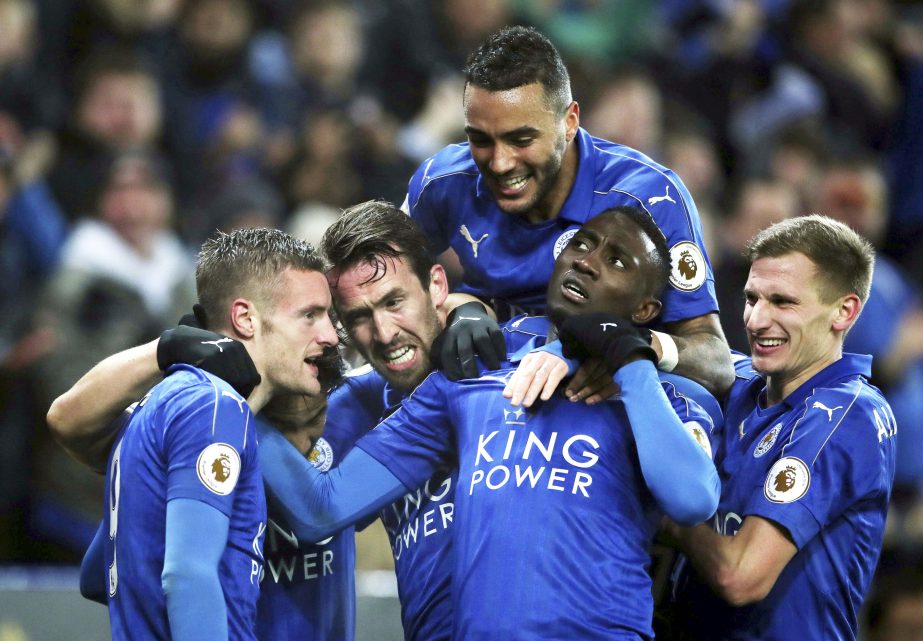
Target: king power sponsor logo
(523, 459)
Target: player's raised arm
(319, 504)
(679, 473)
(83, 419)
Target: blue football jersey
(418, 525)
(192, 437)
(509, 261)
(553, 520)
(308, 591)
(820, 464)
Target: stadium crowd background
(131, 129)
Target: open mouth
(573, 289)
(766, 344)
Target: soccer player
(509, 199)
(807, 460)
(186, 514)
(555, 509)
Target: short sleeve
(827, 467)
(206, 444)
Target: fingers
(592, 382)
(537, 376)
(486, 350)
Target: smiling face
(606, 267)
(793, 332)
(392, 319)
(296, 328)
(519, 142)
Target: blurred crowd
(130, 130)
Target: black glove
(215, 353)
(609, 337)
(469, 332)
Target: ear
(438, 285)
(571, 121)
(846, 312)
(647, 310)
(243, 317)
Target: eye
(749, 299)
(615, 261)
(394, 303)
(477, 140)
(578, 244)
(523, 141)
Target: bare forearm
(742, 568)
(703, 352)
(81, 418)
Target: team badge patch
(321, 456)
(767, 441)
(562, 241)
(700, 436)
(787, 481)
(687, 266)
(219, 468)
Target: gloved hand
(469, 333)
(215, 353)
(609, 337)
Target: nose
(503, 159)
(327, 334)
(385, 328)
(756, 315)
(586, 264)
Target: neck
(299, 418)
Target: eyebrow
(364, 310)
(521, 131)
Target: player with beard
(556, 508)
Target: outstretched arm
(701, 352)
(317, 504)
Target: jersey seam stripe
(842, 418)
(424, 183)
(217, 400)
(659, 171)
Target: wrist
(668, 353)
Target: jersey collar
(848, 365)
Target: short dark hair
(517, 56)
(660, 257)
(248, 263)
(373, 231)
(111, 60)
(844, 259)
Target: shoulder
(850, 416)
(451, 166)
(187, 386)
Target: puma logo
(653, 200)
(474, 243)
(218, 342)
(237, 399)
(829, 410)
